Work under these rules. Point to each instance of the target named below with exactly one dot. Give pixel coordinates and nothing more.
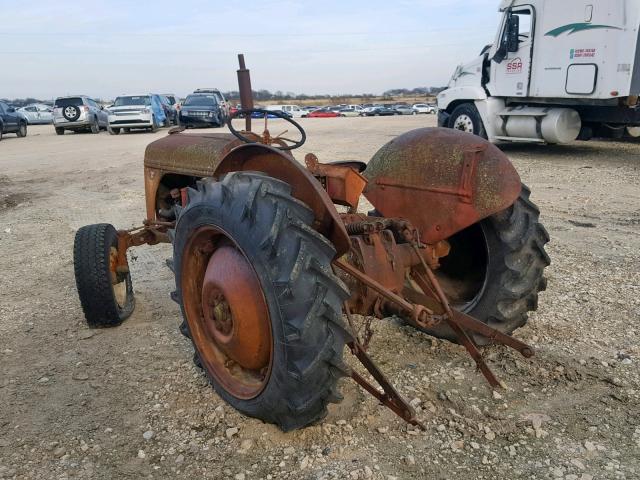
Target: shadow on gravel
(604, 150)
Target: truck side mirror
(513, 31)
(509, 40)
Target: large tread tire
(515, 272)
(469, 110)
(91, 255)
(304, 297)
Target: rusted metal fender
(442, 180)
(304, 186)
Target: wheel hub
(234, 310)
(227, 313)
(464, 123)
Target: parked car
(170, 111)
(325, 112)
(269, 115)
(349, 112)
(294, 111)
(224, 105)
(12, 121)
(203, 110)
(79, 113)
(379, 111)
(136, 111)
(423, 108)
(403, 109)
(37, 113)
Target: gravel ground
(128, 403)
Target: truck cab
(557, 70)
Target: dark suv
(11, 121)
(203, 109)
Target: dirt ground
(128, 403)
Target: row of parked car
(366, 110)
(203, 107)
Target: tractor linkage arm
(418, 315)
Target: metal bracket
(389, 396)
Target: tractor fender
(441, 180)
(304, 186)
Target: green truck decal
(576, 27)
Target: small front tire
(106, 295)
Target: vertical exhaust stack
(244, 87)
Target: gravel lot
(128, 403)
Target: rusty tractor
(277, 271)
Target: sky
(109, 48)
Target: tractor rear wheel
(106, 295)
(495, 269)
(261, 303)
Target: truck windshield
(127, 101)
(200, 100)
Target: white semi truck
(559, 70)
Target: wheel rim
(226, 312)
(23, 130)
(119, 286)
(464, 123)
(463, 274)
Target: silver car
(37, 113)
(79, 113)
(403, 109)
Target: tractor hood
(441, 180)
(189, 154)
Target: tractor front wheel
(106, 295)
(261, 303)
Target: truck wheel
(95, 126)
(59, 131)
(260, 300)
(154, 125)
(495, 269)
(113, 130)
(466, 118)
(106, 296)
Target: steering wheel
(266, 138)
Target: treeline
(263, 95)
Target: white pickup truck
(559, 70)
(294, 110)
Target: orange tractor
(273, 260)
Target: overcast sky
(106, 48)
